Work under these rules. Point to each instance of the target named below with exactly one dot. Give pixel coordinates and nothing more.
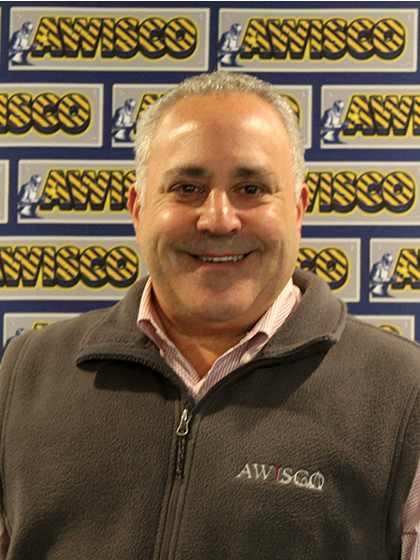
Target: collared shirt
(411, 522)
(243, 352)
(250, 345)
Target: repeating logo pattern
(106, 39)
(130, 100)
(76, 80)
(354, 116)
(394, 270)
(322, 41)
(51, 115)
(71, 267)
(363, 193)
(74, 191)
(336, 261)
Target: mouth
(220, 259)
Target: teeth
(234, 258)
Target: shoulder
(60, 337)
(389, 354)
(377, 337)
(63, 339)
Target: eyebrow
(253, 173)
(200, 172)
(193, 171)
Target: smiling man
(227, 407)
(220, 220)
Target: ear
(133, 205)
(302, 204)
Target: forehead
(220, 132)
(220, 135)
(225, 110)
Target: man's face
(219, 229)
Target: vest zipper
(182, 433)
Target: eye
(252, 190)
(186, 188)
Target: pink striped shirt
(251, 344)
(243, 352)
(411, 522)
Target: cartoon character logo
(28, 199)
(123, 122)
(380, 276)
(332, 124)
(229, 47)
(20, 45)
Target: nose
(217, 215)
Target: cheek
(274, 225)
(162, 224)
(172, 218)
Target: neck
(200, 349)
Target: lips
(224, 259)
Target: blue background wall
(67, 244)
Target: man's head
(236, 28)
(36, 180)
(218, 222)
(27, 28)
(338, 107)
(218, 83)
(387, 260)
(129, 105)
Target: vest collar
(318, 320)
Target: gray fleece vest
(307, 452)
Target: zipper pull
(181, 432)
(183, 426)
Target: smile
(231, 258)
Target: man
(29, 199)
(222, 409)
(332, 124)
(20, 45)
(123, 122)
(229, 48)
(380, 276)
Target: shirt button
(246, 358)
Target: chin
(223, 309)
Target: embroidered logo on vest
(283, 475)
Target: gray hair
(217, 83)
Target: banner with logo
(373, 117)
(76, 76)
(336, 39)
(120, 38)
